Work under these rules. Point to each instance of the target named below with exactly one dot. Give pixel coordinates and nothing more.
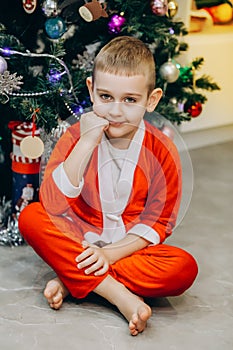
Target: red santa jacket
(155, 194)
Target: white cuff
(63, 183)
(146, 232)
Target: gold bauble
(172, 8)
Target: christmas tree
(47, 50)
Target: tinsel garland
(9, 230)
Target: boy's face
(123, 101)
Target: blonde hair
(125, 55)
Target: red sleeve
(54, 201)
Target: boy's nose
(115, 109)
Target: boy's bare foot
(130, 305)
(55, 292)
(136, 312)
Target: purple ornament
(3, 65)
(116, 23)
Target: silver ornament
(169, 71)
(50, 8)
(3, 65)
(159, 7)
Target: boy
(111, 193)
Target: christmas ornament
(29, 6)
(8, 83)
(194, 109)
(9, 52)
(32, 146)
(172, 8)
(159, 7)
(50, 8)
(55, 27)
(116, 23)
(169, 71)
(92, 11)
(3, 65)
(86, 60)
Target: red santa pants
(155, 271)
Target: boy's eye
(130, 100)
(106, 97)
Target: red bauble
(194, 110)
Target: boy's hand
(94, 259)
(92, 127)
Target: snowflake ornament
(86, 60)
(9, 82)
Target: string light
(9, 52)
(71, 111)
(29, 94)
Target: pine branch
(205, 82)
(197, 62)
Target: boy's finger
(85, 254)
(102, 271)
(86, 262)
(94, 267)
(85, 244)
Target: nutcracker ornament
(25, 170)
(29, 6)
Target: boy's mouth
(116, 124)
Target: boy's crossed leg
(130, 305)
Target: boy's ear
(153, 99)
(90, 87)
